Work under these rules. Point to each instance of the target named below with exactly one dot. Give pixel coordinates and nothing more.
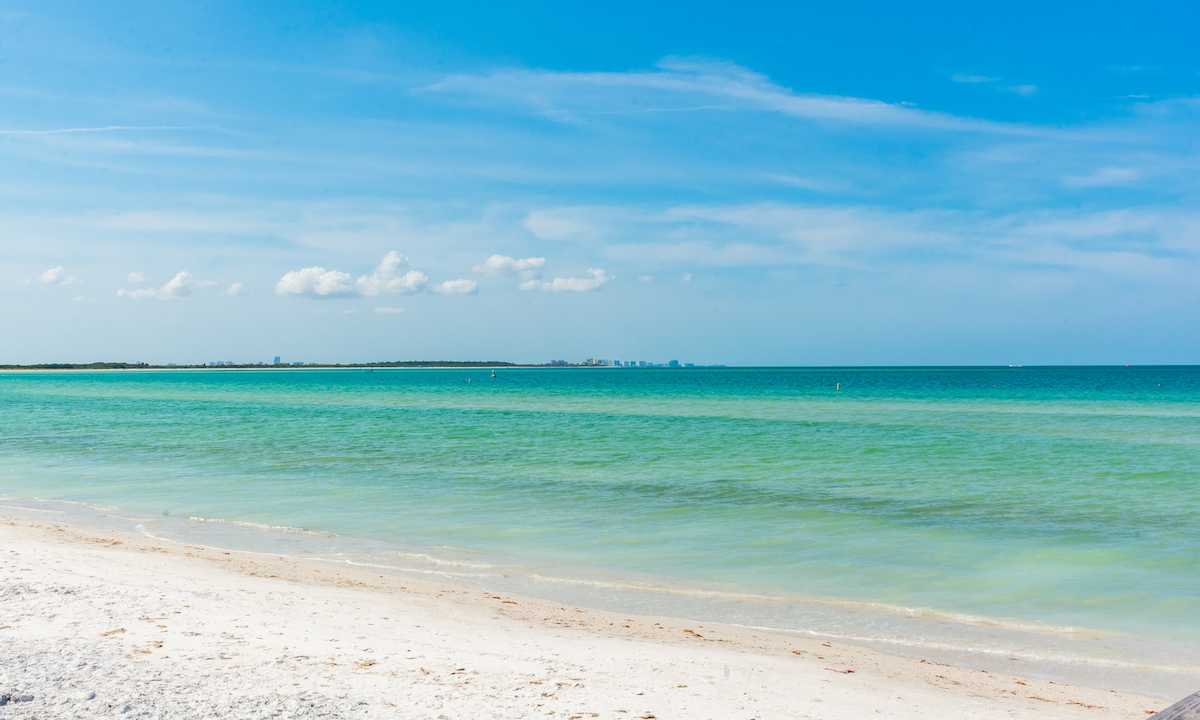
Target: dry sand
(96, 624)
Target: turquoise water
(1035, 509)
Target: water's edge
(1165, 669)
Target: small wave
(658, 588)
(962, 618)
(1024, 654)
(29, 509)
(441, 561)
(393, 568)
(1028, 626)
(35, 498)
(261, 526)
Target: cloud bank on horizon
(941, 200)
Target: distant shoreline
(489, 364)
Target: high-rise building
(277, 360)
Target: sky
(857, 183)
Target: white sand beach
(96, 624)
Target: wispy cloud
(388, 310)
(593, 279)
(108, 128)
(686, 79)
(234, 290)
(562, 224)
(1023, 90)
(961, 78)
(880, 240)
(816, 184)
(1105, 177)
(136, 278)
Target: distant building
(297, 363)
(170, 364)
(558, 362)
(277, 360)
(689, 365)
(673, 363)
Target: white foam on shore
(1007, 652)
(263, 526)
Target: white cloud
(316, 281)
(456, 287)
(137, 294)
(177, 287)
(1104, 177)
(528, 269)
(388, 310)
(181, 286)
(387, 277)
(687, 277)
(960, 78)
(645, 278)
(80, 298)
(57, 276)
(594, 279)
(234, 290)
(136, 278)
(1023, 90)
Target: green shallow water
(1058, 495)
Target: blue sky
(872, 183)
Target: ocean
(1036, 521)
